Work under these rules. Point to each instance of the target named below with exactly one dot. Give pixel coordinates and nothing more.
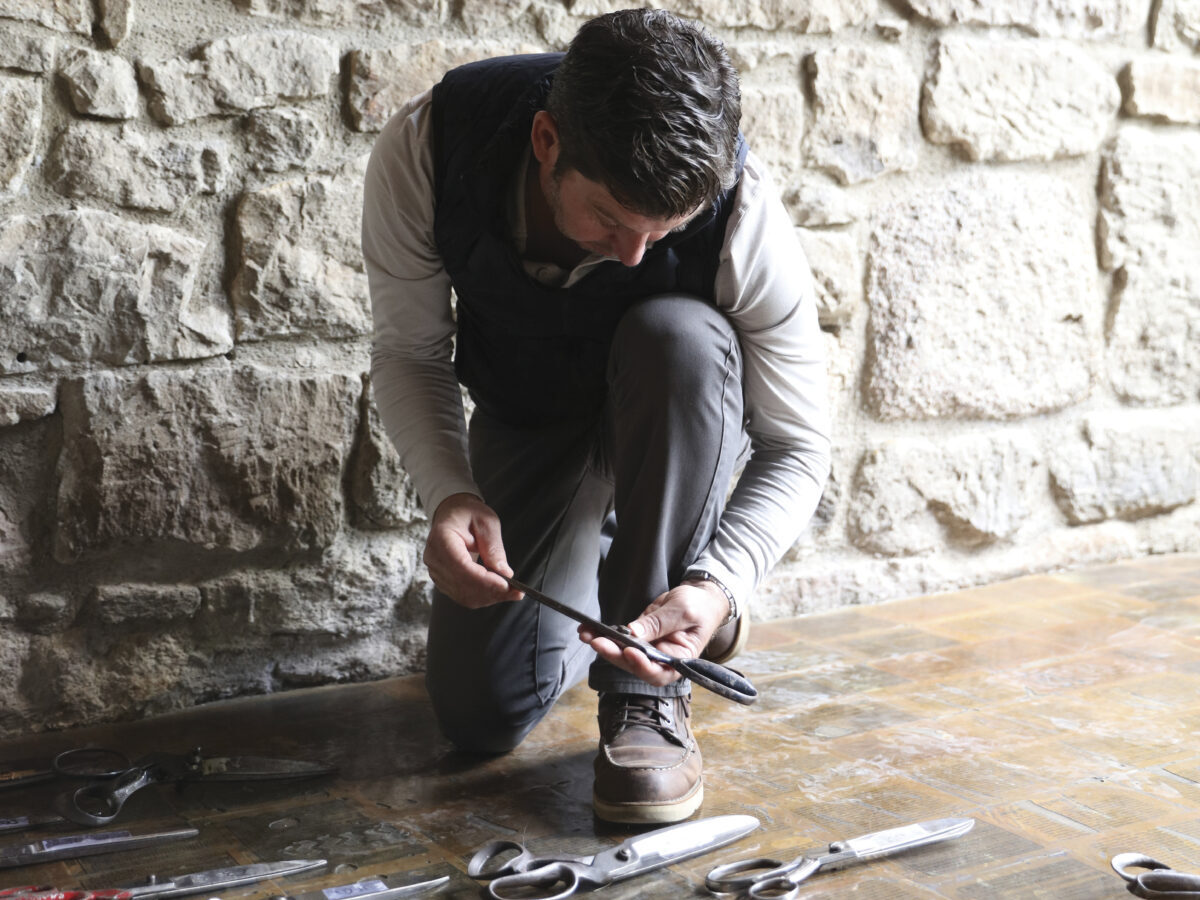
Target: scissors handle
(747, 874)
(1160, 883)
(100, 803)
(516, 886)
(53, 894)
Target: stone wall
(999, 201)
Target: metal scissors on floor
(764, 877)
(99, 803)
(174, 885)
(1161, 882)
(382, 887)
(721, 680)
(561, 876)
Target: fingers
(631, 660)
(464, 528)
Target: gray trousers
(603, 513)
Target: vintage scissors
(723, 681)
(175, 885)
(1160, 883)
(773, 878)
(100, 802)
(69, 846)
(382, 887)
(520, 874)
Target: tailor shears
(764, 877)
(99, 803)
(70, 846)
(721, 680)
(572, 874)
(381, 887)
(1161, 882)
(173, 886)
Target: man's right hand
(464, 542)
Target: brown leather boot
(648, 768)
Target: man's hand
(465, 532)
(679, 623)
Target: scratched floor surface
(1062, 712)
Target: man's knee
(673, 338)
(475, 722)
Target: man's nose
(631, 247)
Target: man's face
(586, 213)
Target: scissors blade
(20, 823)
(219, 879)
(85, 843)
(666, 846)
(894, 840)
(383, 887)
(256, 768)
(18, 773)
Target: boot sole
(649, 813)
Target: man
(633, 313)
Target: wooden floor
(1061, 712)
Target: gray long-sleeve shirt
(763, 285)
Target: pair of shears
(88, 843)
(555, 877)
(99, 802)
(1161, 882)
(175, 885)
(721, 680)
(764, 877)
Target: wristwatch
(702, 575)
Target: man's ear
(543, 137)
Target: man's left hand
(679, 623)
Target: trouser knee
(672, 341)
(475, 723)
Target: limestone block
(1150, 236)
(62, 15)
(348, 12)
(382, 80)
(221, 458)
(887, 513)
(237, 74)
(87, 286)
(301, 268)
(27, 460)
(381, 493)
(981, 300)
(773, 121)
(280, 139)
(115, 18)
(865, 112)
(20, 122)
(350, 594)
(814, 204)
(1165, 89)
(100, 84)
(118, 604)
(34, 55)
(1017, 99)
(489, 16)
(1130, 464)
(1175, 25)
(24, 403)
(805, 16)
(45, 613)
(1049, 18)
(91, 161)
(910, 495)
(835, 262)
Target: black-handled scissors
(775, 878)
(561, 876)
(719, 679)
(101, 801)
(1161, 882)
